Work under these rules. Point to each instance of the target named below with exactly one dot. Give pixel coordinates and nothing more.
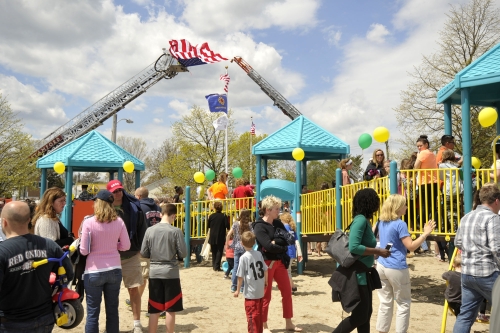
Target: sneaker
(483, 317)
(137, 329)
(225, 277)
(233, 289)
(127, 301)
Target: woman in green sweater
(362, 242)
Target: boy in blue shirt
(253, 270)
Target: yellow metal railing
(318, 212)
(201, 210)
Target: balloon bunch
(209, 175)
(380, 134)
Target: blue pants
(95, 285)
(42, 324)
(234, 278)
(474, 290)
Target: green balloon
(365, 140)
(237, 172)
(209, 175)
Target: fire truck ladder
(164, 67)
(278, 99)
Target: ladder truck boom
(164, 67)
(281, 102)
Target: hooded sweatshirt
(264, 233)
(152, 212)
(132, 216)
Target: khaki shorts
(145, 268)
(132, 272)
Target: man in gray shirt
(165, 246)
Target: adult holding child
(46, 220)
(103, 235)
(276, 258)
(375, 168)
(393, 270)
(362, 242)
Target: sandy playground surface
(209, 306)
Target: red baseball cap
(114, 185)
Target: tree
(138, 148)
(196, 146)
(16, 169)
(156, 158)
(470, 31)
(90, 177)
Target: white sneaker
(137, 329)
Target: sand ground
(210, 306)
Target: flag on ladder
(252, 129)
(225, 78)
(189, 55)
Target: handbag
(338, 248)
(205, 250)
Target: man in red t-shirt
(242, 191)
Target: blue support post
(447, 118)
(297, 210)
(120, 175)
(257, 186)
(338, 197)
(66, 218)
(137, 179)
(393, 177)
(187, 226)
(466, 148)
(43, 182)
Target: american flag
(189, 55)
(226, 78)
(252, 129)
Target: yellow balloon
(128, 166)
(476, 163)
(488, 117)
(199, 177)
(59, 167)
(298, 154)
(381, 134)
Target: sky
(342, 63)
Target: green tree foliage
(90, 177)
(54, 179)
(16, 169)
(470, 31)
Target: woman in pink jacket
(103, 235)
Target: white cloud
(332, 35)
(377, 33)
(158, 120)
(218, 16)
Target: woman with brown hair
(375, 168)
(239, 227)
(46, 220)
(103, 235)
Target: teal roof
(482, 77)
(317, 143)
(91, 152)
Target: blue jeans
(474, 290)
(95, 284)
(234, 278)
(42, 324)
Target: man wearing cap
(152, 215)
(25, 292)
(129, 209)
(447, 142)
(85, 195)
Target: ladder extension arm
(281, 102)
(95, 115)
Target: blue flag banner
(217, 103)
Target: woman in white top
(46, 220)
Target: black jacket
(218, 223)
(131, 213)
(373, 166)
(152, 212)
(344, 283)
(264, 233)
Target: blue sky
(342, 63)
